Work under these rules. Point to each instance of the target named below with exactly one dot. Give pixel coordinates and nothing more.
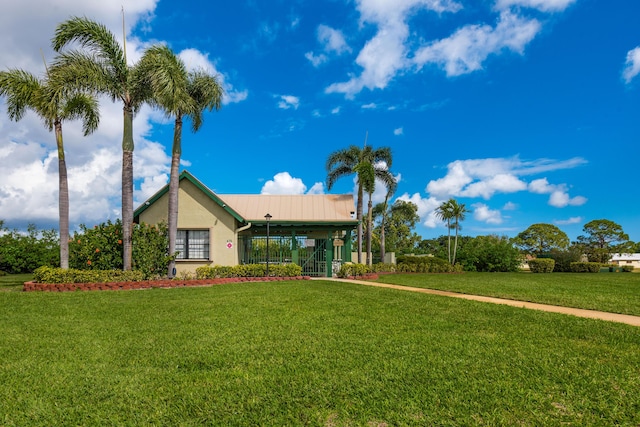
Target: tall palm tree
(384, 211)
(345, 162)
(54, 104)
(458, 212)
(444, 213)
(179, 93)
(100, 65)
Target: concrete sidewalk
(592, 314)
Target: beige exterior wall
(198, 212)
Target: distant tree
(542, 238)
(23, 252)
(490, 254)
(53, 104)
(603, 237)
(452, 213)
(381, 210)
(402, 218)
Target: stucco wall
(196, 211)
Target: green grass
(612, 292)
(14, 282)
(307, 353)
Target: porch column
(294, 249)
(329, 257)
(347, 247)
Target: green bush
(585, 267)
(541, 265)
(248, 270)
(100, 248)
(627, 268)
(22, 252)
(354, 270)
(426, 264)
(58, 275)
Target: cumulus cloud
(483, 213)
(398, 131)
(488, 177)
(465, 51)
(194, 60)
(333, 43)
(396, 48)
(558, 195)
(288, 101)
(284, 183)
(632, 65)
(426, 208)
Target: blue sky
(526, 111)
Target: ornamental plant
(100, 248)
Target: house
(313, 231)
(626, 259)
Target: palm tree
(452, 212)
(54, 104)
(383, 210)
(179, 94)
(444, 213)
(101, 66)
(458, 212)
(346, 162)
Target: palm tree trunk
(455, 246)
(449, 239)
(127, 188)
(382, 242)
(359, 217)
(174, 185)
(369, 229)
(63, 199)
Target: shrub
(425, 264)
(627, 268)
(248, 270)
(354, 270)
(541, 265)
(490, 254)
(100, 248)
(585, 267)
(58, 275)
(23, 252)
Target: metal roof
(293, 208)
(307, 209)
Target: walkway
(591, 314)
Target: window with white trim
(192, 244)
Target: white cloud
(483, 213)
(487, 177)
(336, 110)
(426, 208)
(632, 65)
(194, 59)
(370, 106)
(333, 40)
(559, 197)
(284, 183)
(572, 220)
(464, 51)
(510, 206)
(288, 101)
(316, 60)
(317, 188)
(542, 5)
(398, 131)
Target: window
(192, 244)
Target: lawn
(613, 292)
(307, 353)
(14, 282)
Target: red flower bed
(165, 283)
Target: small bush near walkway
(541, 265)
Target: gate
(312, 255)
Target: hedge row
(585, 267)
(426, 264)
(248, 270)
(59, 275)
(542, 265)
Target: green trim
(186, 175)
